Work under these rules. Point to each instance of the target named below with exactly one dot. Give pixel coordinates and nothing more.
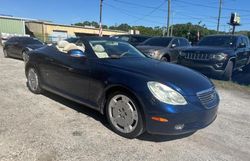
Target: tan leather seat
(61, 45)
(72, 46)
(100, 51)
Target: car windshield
(158, 41)
(220, 41)
(114, 49)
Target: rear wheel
(124, 115)
(228, 71)
(33, 81)
(5, 53)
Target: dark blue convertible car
(136, 93)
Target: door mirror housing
(76, 53)
(242, 45)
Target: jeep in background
(217, 55)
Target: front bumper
(192, 117)
(209, 69)
(191, 122)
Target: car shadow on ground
(101, 118)
(162, 138)
(78, 107)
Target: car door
(174, 50)
(67, 75)
(241, 52)
(18, 47)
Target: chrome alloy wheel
(33, 79)
(123, 113)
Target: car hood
(34, 46)
(184, 80)
(148, 49)
(208, 49)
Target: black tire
(165, 59)
(5, 53)
(228, 71)
(37, 89)
(139, 128)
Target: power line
(151, 12)
(126, 12)
(213, 7)
(137, 5)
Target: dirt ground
(48, 127)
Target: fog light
(179, 127)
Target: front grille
(198, 56)
(209, 98)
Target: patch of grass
(231, 86)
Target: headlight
(166, 94)
(219, 56)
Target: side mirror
(77, 53)
(173, 45)
(242, 45)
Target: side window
(176, 42)
(184, 42)
(245, 40)
(239, 41)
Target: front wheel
(124, 115)
(33, 81)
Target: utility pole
(172, 25)
(168, 20)
(100, 22)
(218, 24)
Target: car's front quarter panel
(194, 115)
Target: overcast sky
(133, 12)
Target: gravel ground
(47, 127)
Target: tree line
(188, 30)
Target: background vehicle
(164, 48)
(137, 94)
(132, 39)
(19, 46)
(218, 55)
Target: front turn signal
(160, 119)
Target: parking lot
(47, 127)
